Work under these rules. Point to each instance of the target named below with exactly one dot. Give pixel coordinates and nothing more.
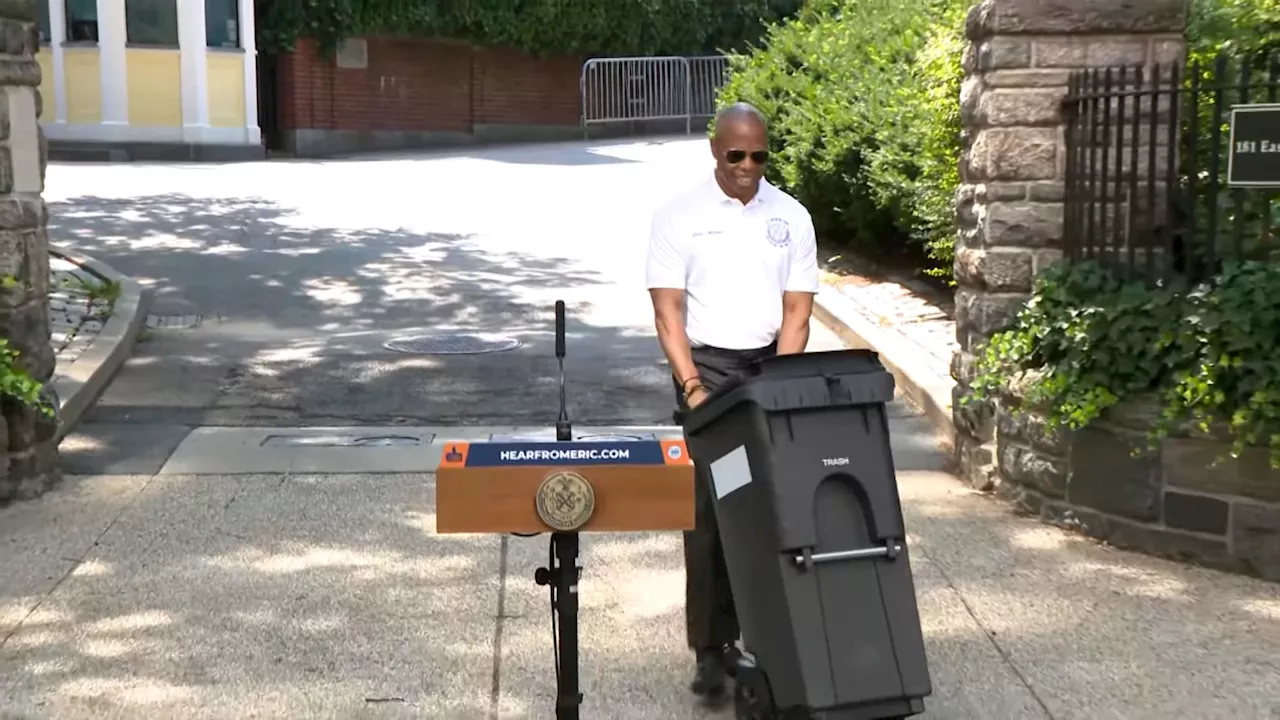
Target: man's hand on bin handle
(696, 397)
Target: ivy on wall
(1088, 340)
(538, 27)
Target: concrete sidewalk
(329, 596)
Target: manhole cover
(451, 344)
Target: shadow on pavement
(294, 318)
(305, 596)
(1094, 631)
(311, 596)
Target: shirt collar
(718, 197)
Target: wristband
(685, 385)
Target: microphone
(564, 429)
(560, 329)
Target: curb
(79, 384)
(926, 389)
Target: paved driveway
(136, 591)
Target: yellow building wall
(84, 84)
(155, 87)
(48, 102)
(226, 88)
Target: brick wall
(418, 85)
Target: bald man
(732, 271)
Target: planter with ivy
(1145, 416)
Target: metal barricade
(707, 74)
(650, 88)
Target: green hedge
(539, 27)
(1233, 26)
(863, 102)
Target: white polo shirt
(733, 261)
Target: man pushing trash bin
(732, 272)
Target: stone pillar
(1009, 204)
(28, 453)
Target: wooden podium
(564, 487)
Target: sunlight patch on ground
(17, 608)
(159, 241)
(298, 251)
(649, 596)
(225, 249)
(364, 564)
(296, 352)
(425, 522)
(1038, 539)
(332, 291)
(1265, 609)
(1135, 581)
(115, 647)
(131, 622)
(91, 568)
(131, 691)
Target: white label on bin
(731, 472)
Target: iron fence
(1146, 164)
(638, 89)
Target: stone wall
(1009, 205)
(28, 453)
(1185, 500)
(1177, 501)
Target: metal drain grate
(450, 344)
(173, 322)
(550, 437)
(340, 441)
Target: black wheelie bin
(807, 503)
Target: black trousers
(710, 618)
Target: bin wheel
(752, 697)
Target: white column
(195, 70)
(57, 36)
(115, 71)
(248, 33)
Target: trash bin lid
(837, 378)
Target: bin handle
(807, 558)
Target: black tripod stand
(562, 573)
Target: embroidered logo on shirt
(778, 232)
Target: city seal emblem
(565, 501)
(778, 231)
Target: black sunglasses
(759, 157)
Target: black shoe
(710, 680)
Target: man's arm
(797, 297)
(665, 278)
(793, 337)
(668, 313)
